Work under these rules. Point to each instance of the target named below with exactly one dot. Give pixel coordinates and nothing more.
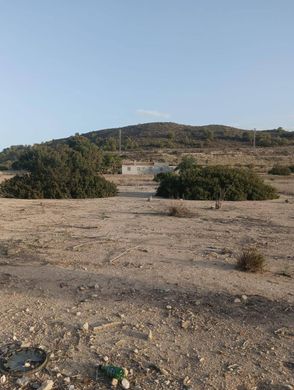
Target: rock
(244, 298)
(237, 300)
(78, 314)
(185, 324)
(114, 382)
(85, 327)
(150, 335)
(47, 385)
(168, 307)
(67, 379)
(23, 381)
(71, 387)
(164, 371)
(125, 384)
(106, 359)
(2, 379)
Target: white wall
(145, 169)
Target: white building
(145, 168)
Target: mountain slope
(158, 135)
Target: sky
(70, 66)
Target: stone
(150, 335)
(85, 327)
(2, 379)
(125, 384)
(244, 298)
(23, 381)
(185, 324)
(47, 385)
(114, 382)
(237, 300)
(106, 359)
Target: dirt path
(167, 285)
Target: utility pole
(254, 138)
(119, 136)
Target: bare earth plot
(166, 286)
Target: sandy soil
(167, 287)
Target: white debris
(2, 379)
(47, 385)
(125, 384)
(23, 381)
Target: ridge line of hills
(160, 135)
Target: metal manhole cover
(23, 361)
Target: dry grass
(179, 210)
(251, 260)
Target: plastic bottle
(112, 371)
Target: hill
(160, 135)
(174, 135)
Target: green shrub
(159, 176)
(3, 168)
(280, 170)
(251, 260)
(214, 183)
(68, 171)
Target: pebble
(78, 313)
(114, 382)
(67, 379)
(244, 298)
(47, 385)
(185, 324)
(23, 381)
(237, 300)
(168, 307)
(106, 358)
(2, 379)
(85, 327)
(125, 384)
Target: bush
(291, 167)
(68, 171)
(251, 260)
(3, 168)
(280, 170)
(214, 183)
(180, 211)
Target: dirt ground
(159, 294)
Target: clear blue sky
(71, 66)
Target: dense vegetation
(65, 171)
(191, 181)
(280, 170)
(173, 135)
(168, 135)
